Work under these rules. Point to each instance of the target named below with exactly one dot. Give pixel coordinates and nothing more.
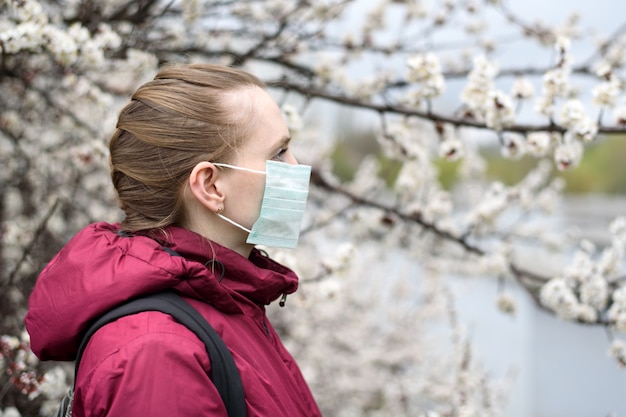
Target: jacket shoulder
(137, 334)
(145, 364)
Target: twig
(29, 247)
(520, 274)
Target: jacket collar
(257, 278)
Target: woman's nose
(291, 159)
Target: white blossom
(587, 246)
(473, 165)
(417, 9)
(325, 71)
(617, 312)
(475, 27)
(191, 10)
(514, 146)
(556, 83)
(538, 143)
(92, 54)
(616, 53)
(605, 94)
(492, 205)
(292, 117)
(11, 412)
(441, 17)
(423, 66)
(66, 45)
(451, 149)
(581, 269)
(604, 70)
(430, 413)
(499, 110)
(53, 384)
(595, 292)
(366, 176)
(28, 11)
(496, 263)
(78, 33)
(367, 87)
(587, 314)
(563, 43)
(611, 258)
(617, 351)
(506, 303)
(619, 296)
(433, 86)
(375, 19)
(618, 228)
(107, 37)
(342, 258)
(467, 410)
(11, 121)
(412, 177)
(572, 113)
(141, 60)
(586, 130)
(401, 142)
(480, 84)
(545, 105)
(425, 70)
(329, 288)
(438, 206)
(522, 88)
(547, 200)
(62, 45)
(11, 342)
(26, 36)
(567, 155)
(560, 298)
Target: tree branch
(313, 92)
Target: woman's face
(269, 140)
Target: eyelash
(281, 153)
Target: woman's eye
(281, 153)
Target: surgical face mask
(282, 209)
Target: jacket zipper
(267, 329)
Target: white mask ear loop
(241, 169)
(233, 222)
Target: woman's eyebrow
(282, 142)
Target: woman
(196, 159)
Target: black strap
(224, 373)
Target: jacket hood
(100, 268)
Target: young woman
(202, 167)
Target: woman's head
(186, 115)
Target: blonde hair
(184, 116)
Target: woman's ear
(203, 186)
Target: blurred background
(556, 368)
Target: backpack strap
(224, 372)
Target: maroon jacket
(147, 364)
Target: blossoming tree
(68, 66)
